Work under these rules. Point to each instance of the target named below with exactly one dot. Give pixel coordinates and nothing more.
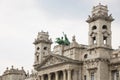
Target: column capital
(76, 69)
(56, 72)
(42, 77)
(49, 74)
(70, 69)
(64, 70)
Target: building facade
(96, 61)
(13, 74)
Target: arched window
(105, 39)
(104, 27)
(94, 27)
(38, 48)
(92, 76)
(94, 40)
(37, 58)
(85, 56)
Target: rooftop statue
(62, 41)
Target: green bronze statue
(62, 41)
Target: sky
(21, 20)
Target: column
(69, 74)
(49, 76)
(56, 75)
(39, 77)
(42, 77)
(119, 75)
(64, 75)
(75, 76)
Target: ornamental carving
(52, 61)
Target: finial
(12, 67)
(22, 68)
(7, 68)
(73, 38)
(106, 6)
(27, 73)
(99, 3)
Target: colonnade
(58, 75)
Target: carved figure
(62, 41)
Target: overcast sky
(21, 20)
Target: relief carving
(52, 61)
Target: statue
(62, 41)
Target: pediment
(51, 61)
(54, 59)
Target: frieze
(93, 63)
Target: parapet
(100, 12)
(42, 37)
(14, 71)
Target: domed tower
(42, 47)
(100, 27)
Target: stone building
(32, 76)
(13, 74)
(95, 61)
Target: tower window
(37, 58)
(85, 56)
(94, 40)
(104, 27)
(38, 48)
(92, 76)
(105, 40)
(45, 48)
(85, 78)
(115, 75)
(94, 27)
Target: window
(105, 40)
(104, 27)
(85, 78)
(115, 75)
(92, 76)
(94, 27)
(37, 58)
(94, 40)
(85, 56)
(45, 48)
(38, 48)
